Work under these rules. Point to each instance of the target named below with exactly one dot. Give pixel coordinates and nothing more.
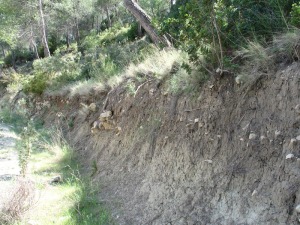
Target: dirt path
(9, 164)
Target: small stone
(254, 193)
(297, 108)
(219, 136)
(252, 136)
(241, 139)
(277, 133)
(297, 208)
(208, 161)
(298, 138)
(293, 141)
(238, 80)
(289, 156)
(93, 107)
(105, 115)
(151, 91)
(197, 120)
(263, 137)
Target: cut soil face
(215, 158)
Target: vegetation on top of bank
(98, 41)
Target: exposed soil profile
(221, 157)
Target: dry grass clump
(286, 46)
(258, 59)
(158, 64)
(80, 88)
(21, 198)
(155, 65)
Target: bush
(214, 29)
(110, 52)
(54, 72)
(19, 55)
(37, 84)
(295, 15)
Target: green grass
(74, 201)
(79, 196)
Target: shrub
(110, 52)
(54, 72)
(295, 15)
(19, 55)
(37, 84)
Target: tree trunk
(77, 31)
(67, 40)
(97, 24)
(35, 50)
(108, 17)
(140, 29)
(33, 44)
(3, 51)
(93, 21)
(145, 21)
(13, 60)
(44, 36)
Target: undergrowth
(44, 153)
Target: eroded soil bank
(218, 157)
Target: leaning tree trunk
(145, 21)
(140, 28)
(44, 37)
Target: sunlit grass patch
(73, 200)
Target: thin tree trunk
(108, 17)
(13, 60)
(44, 36)
(97, 24)
(77, 30)
(67, 40)
(3, 51)
(35, 50)
(140, 29)
(33, 44)
(145, 21)
(93, 21)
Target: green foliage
(295, 15)
(16, 118)
(37, 84)
(54, 72)
(186, 80)
(116, 34)
(18, 55)
(110, 52)
(261, 59)
(213, 29)
(155, 8)
(28, 136)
